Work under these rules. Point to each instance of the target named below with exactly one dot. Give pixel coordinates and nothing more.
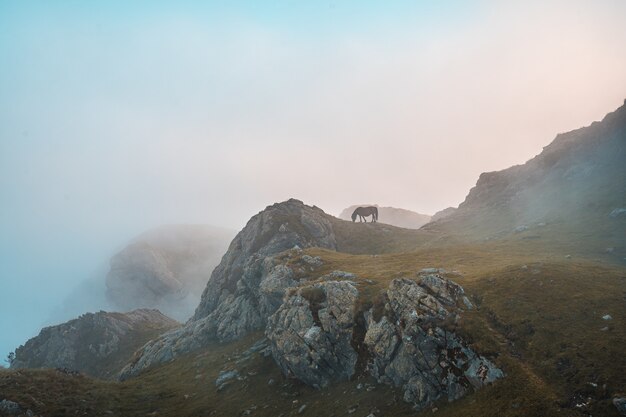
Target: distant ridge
(576, 187)
(394, 216)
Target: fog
(115, 118)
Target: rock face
(248, 285)
(314, 337)
(166, 268)
(391, 215)
(97, 344)
(311, 333)
(410, 348)
(9, 408)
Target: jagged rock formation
(311, 333)
(315, 329)
(314, 336)
(575, 183)
(97, 344)
(166, 268)
(394, 216)
(247, 286)
(411, 348)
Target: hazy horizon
(118, 118)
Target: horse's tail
(376, 213)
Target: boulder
(310, 334)
(618, 212)
(620, 404)
(410, 347)
(9, 408)
(224, 378)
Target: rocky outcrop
(573, 184)
(410, 347)
(9, 408)
(248, 285)
(316, 324)
(166, 268)
(97, 344)
(311, 333)
(394, 216)
(315, 336)
(620, 404)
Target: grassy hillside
(538, 316)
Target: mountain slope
(573, 185)
(249, 284)
(552, 352)
(331, 296)
(97, 344)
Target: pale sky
(115, 118)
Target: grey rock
(310, 334)
(409, 348)
(10, 408)
(313, 261)
(243, 268)
(336, 275)
(618, 212)
(93, 343)
(247, 286)
(224, 378)
(607, 317)
(620, 404)
(521, 228)
(445, 290)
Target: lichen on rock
(410, 348)
(310, 334)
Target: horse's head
(354, 216)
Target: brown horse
(363, 212)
